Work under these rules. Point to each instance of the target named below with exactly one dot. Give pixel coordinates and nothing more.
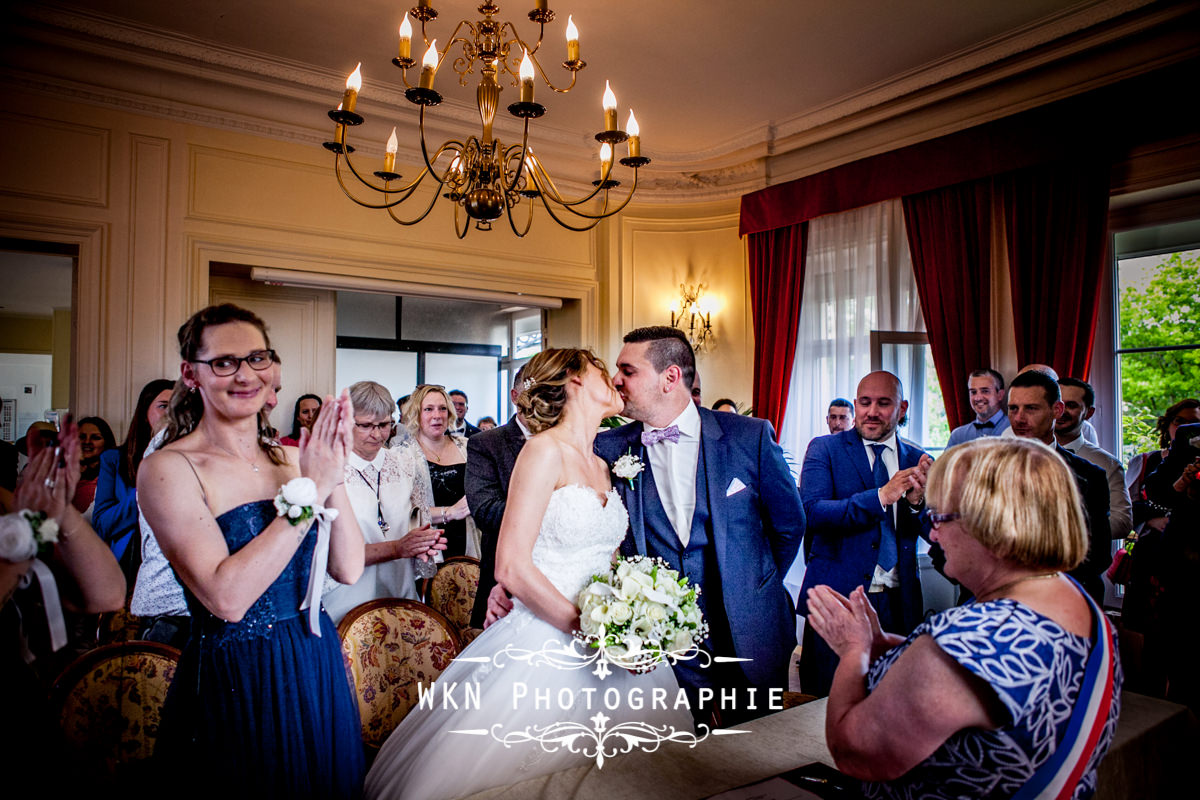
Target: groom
(716, 502)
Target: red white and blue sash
(1057, 778)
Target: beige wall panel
(24, 333)
(303, 328)
(60, 380)
(661, 253)
(287, 192)
(51, 160)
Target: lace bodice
(579, 533)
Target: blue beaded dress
(262, 707)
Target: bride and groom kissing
(715, 500)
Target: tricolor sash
(1057, 777)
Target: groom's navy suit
(746, 530)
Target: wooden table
(1155, 744)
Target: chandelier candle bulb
(540, 5)
(389, 158)
(526, 72)
(353, 87)
(610, 108)
(572, 40)
(339, 130)
(429, 66)
(635, 139)
(405, 38)
(606, 157)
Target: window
(909, 357)
(1157, 338)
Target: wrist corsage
(25, 534)
(297, 501)
(628, 467)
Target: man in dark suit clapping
(863, 491)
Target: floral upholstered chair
(391, 646)
(452, 592)
(109, 700)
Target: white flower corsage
(297, 500)
(25, 534)
(628, 467)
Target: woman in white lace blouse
(390, 496)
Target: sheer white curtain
(858, 279)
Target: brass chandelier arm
(557, 197)
(372, 186)
(605, 210)
(520, 234)
(550, 210)
(414, 221)
(407, 191)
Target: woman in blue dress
(1015, 694)
(260, 704)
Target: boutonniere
(627, 467)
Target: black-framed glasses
(224, 366)
(367, 427)
(937, 519)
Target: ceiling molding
(280, 99)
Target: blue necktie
(887, 542)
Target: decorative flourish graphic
(599, 741)
(581, 653)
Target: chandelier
(484, 178)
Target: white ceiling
(718, 85)
(34, 284)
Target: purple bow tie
(670, 434)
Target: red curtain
(776, 284)
(1056, 220)
(949, 236)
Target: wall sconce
(693, 317)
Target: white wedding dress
(442, 752)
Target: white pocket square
(735, 486)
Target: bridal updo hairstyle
(187, 407)
(544, 384)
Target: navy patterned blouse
(1035, 667)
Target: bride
(562, 524)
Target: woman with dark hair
(95, 437)
(115, 516)
(563, 524)
(260, 704)
(303, 416)
(725, 404)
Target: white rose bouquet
(641, 613)
(26, 534)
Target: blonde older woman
(1012, 693)
(428, 415)
(389, 492)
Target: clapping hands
(908, 483)
(848, 625)
(49, 481)
(324, 448)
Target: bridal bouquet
(641, 613)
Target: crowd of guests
(1021, 512)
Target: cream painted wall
(151, 203)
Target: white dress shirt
(674, 465)
(889, 579)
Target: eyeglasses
(367, 427)
(936, 520)
(224, 366)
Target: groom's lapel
(714, 453)
(633, 495)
